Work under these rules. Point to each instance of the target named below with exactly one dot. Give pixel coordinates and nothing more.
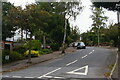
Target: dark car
(81, 45)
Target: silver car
(81, 45)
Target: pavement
(114, 71)
(22, 64)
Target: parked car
(75, 44)
(47, 47)
(81, 45)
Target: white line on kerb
(84, 56)
(49, 73)
(71, 63)
(17, 76)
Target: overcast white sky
(83, 20)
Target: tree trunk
(44, 42)
(98, 36)
(63, 44)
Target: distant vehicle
(75, 44)
(81, 45)
(47, 47)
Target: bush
(112, 43)
(47, 51)
(15, 56)
(33, 53)
(35, 45)
(20, 49)
(41, 52)
(54, 46)
(5, 53)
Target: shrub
(54, 46)
(35, 45)
(15, 56)
(33, 53)
(41, 52)
(112, 43)
(5, 53)
(47, 51)
(20, 49)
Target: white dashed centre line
(84, 56)
(49, 73)
(71, 63)
(90, 53)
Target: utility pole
(118, 7)
(118, 19)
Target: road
(83, 64)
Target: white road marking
(28, 77)
(90, 53)
(71, 63)
(93, 50)
(84, 56)
(16, 76)
(79, 73)
(48, 76)
(5, 76)
(49, 73)
(58, 77)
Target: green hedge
(46, 51)
(54, 46)
(20, 49)
(13, 56)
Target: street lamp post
(118, 7)
(118, 13)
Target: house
(7, 45)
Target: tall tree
(99, 19)
(8, 28)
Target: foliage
(54, 46)
(35, 45)
(47, 51)
(7, 24)
(98, 18)
(108, 36)
(13, 56)
(5, 53)
(20, 49)
(41, 52)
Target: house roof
(108, 4)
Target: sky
(83, 20)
